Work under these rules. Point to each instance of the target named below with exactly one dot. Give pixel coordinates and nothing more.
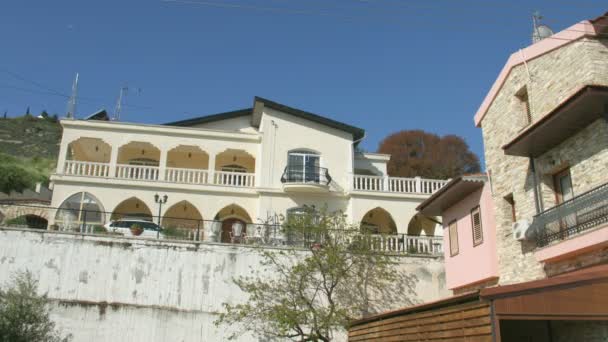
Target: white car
(123, 226)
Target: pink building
(467, 211)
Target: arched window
(303, 166)
(80, 208)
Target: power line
(385, 20)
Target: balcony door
(563, 193)
(303, 167)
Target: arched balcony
(187, 164)
(138, 160)
(88, 157)
(234, 168)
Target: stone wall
(123, 289)
(552, 78)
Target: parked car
(125, 227)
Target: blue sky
(383, 65)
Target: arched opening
(182, 215)
(88, 157)
(138, 160)
(233, 160)
(29, 221)
(79, 212)
(138, 153)
(378, 221)
(187, 157)
(89, 150)
(234, 222)
(133, 208)
(422, 225)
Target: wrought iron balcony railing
(303, 174)
(583, 212)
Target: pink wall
(471, 264)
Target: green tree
(419, 153)
(15, 178)
(308, 295)
(24, 316)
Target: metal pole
(160, 205)
(198, 230)
(535, 186)
(84, 222)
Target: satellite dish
(541, 32)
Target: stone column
(162, 165)
(211, 169)
(113, 160)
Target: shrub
(174, 233)
(24, 315)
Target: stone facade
(549, 80)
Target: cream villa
(246, 166)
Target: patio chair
(237, 232)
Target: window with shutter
(453, 231)
(476, 224)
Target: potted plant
(136, 229)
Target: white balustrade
(188, 176)
(137, 172)
(397, 184)
(429, 186)
(237, 179)
(407, 244)
(405, 185)
(83, 168)
(368, 183)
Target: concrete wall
(121, 289)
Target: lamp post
(160, 200)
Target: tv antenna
(540, 31)
(120, 102)
(72, 101)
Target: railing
(187, 229)
(137, 172)
(303, 174)
(396, 184)
(188, 176)
(83, 168)
(237, 179)
(583, 212)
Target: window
(563, 186)
(78, 209)
(511, 202)
(453, 236)
(524, 102)
(303, 166)
(476, 225)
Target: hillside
(29, 137)
(28, 151)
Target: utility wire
(385, 20)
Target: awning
(580, 295)
(577, 112)
(451, 193)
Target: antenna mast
(72, 101)
(123, 92)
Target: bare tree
(308, 294)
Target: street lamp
(160, 201)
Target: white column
(113, 161)
(385, 184)
(418, 184)
(162, 165)
(211, 170)
(63, 152)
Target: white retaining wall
(121, 289)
